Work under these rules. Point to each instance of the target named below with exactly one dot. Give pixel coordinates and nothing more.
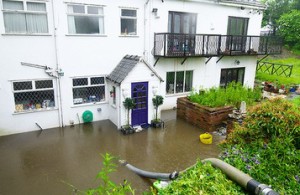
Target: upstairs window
(85, 19)
(179, 82)
(25, 17)
(128, 22)
(33, 95)
(88, 90)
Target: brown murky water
(42, 162)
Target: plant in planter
(128, 104)
(157, 101)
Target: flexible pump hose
(148, 174)
(244, 180)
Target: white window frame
(26, 11)
(174, 91)
(131, 18)
(45, 105)
(86, 14)
(77, 101)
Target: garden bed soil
(208, 119)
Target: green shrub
(266, 146)
(202, 179)
(232, 95)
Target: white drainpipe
(58, 83)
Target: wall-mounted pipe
(244, 180)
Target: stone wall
(208, 119)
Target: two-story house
(60, 59)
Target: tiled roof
(123, 68)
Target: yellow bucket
(206, 138)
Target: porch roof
(124, 67)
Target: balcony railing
(209, 45)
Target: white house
(58, 57)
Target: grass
(289, 58)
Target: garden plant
(232, 95)
(266, 146)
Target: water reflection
(43, 162)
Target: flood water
(45, 162)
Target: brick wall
(204, 117)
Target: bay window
(85, 19)
(25, 17)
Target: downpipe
(244, 180)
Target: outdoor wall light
(154, 10)
(242, 8)
(154, 90)
(237, 62)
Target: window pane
(86, 25)
(88, 94)
(36, 23)
(36, 6)
(170, 82)
(95, 10)
(22, 85)
(97, 80)
(13, 5)
(128, 12)
(128, 26)
(14, 23)
(188, 81)
(241, 75)
(80, 82)
(34, 100)
(76, 9)
(43, 84)
(179, 81)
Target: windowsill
(86, 35)
(34, 111)
(89, 104)
(178, 94)
(132, 36)
(23, 34)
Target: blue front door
(139, 94)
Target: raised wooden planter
(208, 119)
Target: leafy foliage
(266, 145)
(289, 28)
(233, 95)
(202, 179)
(157, 101)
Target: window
(128, 22)
(88, 90)
(237, 27)
(33, 95)
(229, 75)
(179, 82)
(25, 17)
(85, 19)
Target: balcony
(172, 45)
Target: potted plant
(157, 101)
(128, 104)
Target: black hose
(151, 175)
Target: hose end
(173, 175)
(123, 162)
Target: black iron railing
(208, 45)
